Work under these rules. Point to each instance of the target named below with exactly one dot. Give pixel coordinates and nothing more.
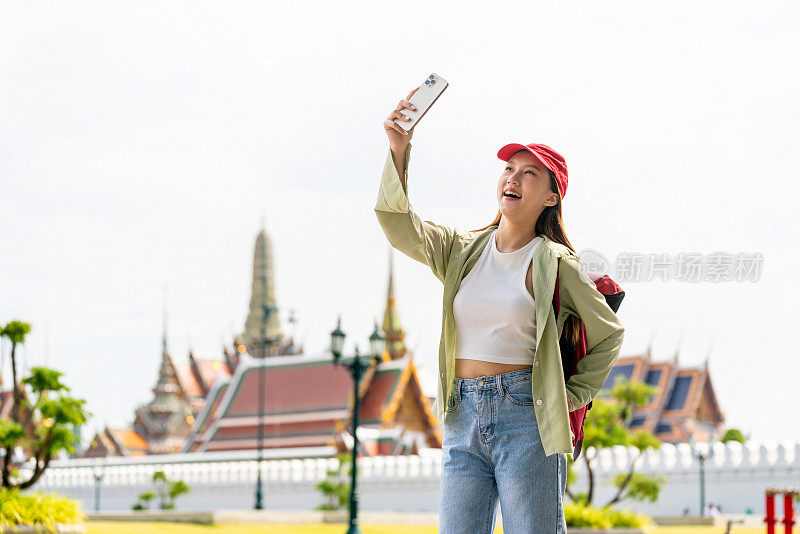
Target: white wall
(736, 477)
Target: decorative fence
(735, 478)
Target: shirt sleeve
(604, 332)
(424, 241)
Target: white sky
(141, 143)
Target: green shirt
(450, 253)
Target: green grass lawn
(98, 527)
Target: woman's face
(524, 175)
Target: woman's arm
(424, 241)
(604, 332)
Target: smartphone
(423, 99)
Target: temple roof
(684, 404)
(117, 442)
(129, 439)
(7, 402)
(308, 402)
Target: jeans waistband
(492, 381)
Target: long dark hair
(551, 224)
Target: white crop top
(494, 313)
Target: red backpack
(571, 355)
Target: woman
(502, 397)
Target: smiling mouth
(512, 196)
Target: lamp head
(337, 340)
(377, 343)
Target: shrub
(335, 487)
(579, 515)
(37, 508)
(167, 489)
(627, 518)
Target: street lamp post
(356, 367)
(98, 471)
(266, 343)
(701, 457)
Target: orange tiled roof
(188, 381)
(209, 369)
(130, 439)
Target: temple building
(163, 424)
(684, 404)
(212, 404)
(308, 402)
(209, 404)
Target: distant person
(710, 510)
(502, 398)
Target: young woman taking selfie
(502, 399)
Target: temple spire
(391, 323)
(390, 290)
(708, 354)
(164, 320)
(157, 419)
(678, 348)
(262, 320)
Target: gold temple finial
(708, 354)
(392, 330)
(164, 306)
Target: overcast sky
(142, 144)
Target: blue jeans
(491, 450)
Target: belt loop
(499, 384)
(459, 385)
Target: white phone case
(423, 99)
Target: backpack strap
(569, 360)
(613, 294)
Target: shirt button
(536, 363)
(539, 402)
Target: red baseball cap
(549, 158)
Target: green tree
(335, 487)
(168, 491)
(606, 425)
(144, 500)
(51, 418)
(176, 488)
(733, 434)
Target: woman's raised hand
(399, 138)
